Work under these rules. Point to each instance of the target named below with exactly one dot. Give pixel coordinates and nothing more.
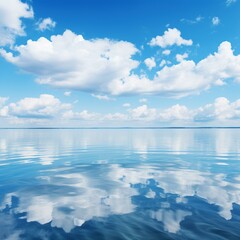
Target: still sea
(116, 184)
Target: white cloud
(102, 97)
(220, 110)
(46, 24)
(143, 113)
(166, 52)
(11, 14)
(215, 21)
(46, 106)
(150, 63)
(176, 112)
(170, 37)
(230, 2)
(187, 77)
(84, 115)
(163, 63)
(181, 57)
(67, 94)
(114, 74)
(72, 62)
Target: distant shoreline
(96, 128)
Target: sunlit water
(120, 184)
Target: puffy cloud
(220, 110)
(140, 113)
(215, 21)
(166, 52)
(114, 75)
(150, 63)
(176, 112)
(46, 24)
(230, 2)
(163, 63)
(84, 115)
(181, 57)
(187, 77)
(96, 117)
(170, 37)
(46, 106)
(11, 14)
(72, 62)
(143, 113)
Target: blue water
(119, 184)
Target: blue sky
(119, 63)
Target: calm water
(120, 184)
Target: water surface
(119, 184)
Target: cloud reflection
(67, 200)
(69, 190)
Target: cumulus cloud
(170, 37)
(181, 57)
(107, 67)
(11, 14)
(143, 113)
(83, 115)
(69, 60)
(220, 110)
(166, 52)
(215, 21)
(46, 24)
(46, 106)
(187, 77)
(163, 63)
(150, 63)
(176, 112)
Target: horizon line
(179, 127)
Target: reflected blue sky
(123, 184)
